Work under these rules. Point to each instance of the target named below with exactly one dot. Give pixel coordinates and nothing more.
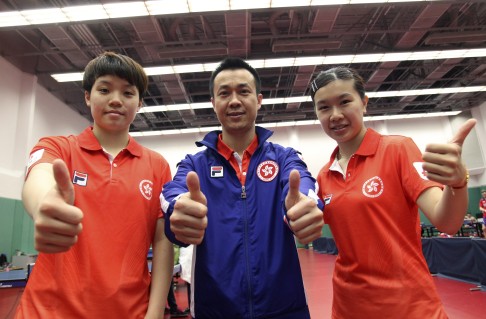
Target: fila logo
(267, 171)
(216, 171)
(327, 199)
(80, 179)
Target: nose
(234, 100)
(115, 98)
(335, 113)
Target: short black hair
(338, 73)
(122, 66)
(232, 63)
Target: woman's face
(340, 110)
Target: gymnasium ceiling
(208, 37)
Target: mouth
(235, 114)
(338, 128)
(114, 113)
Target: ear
(365, 103)
(259, 99)
(140, 104)
(212, 102)
(87, 97)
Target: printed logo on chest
(267, 171)
(373, 187)
(80, 178)
(146, 188)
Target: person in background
(470, 217)
(482, 208)
(173, 309)
(94, 201)
(373, 186)
(240, 201)
(185, 260)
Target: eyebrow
(346, 94)
(126, 85)
(240, 85)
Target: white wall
(28, 112)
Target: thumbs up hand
(304, 217)
(57, 222)
(443, 162)
(189, 219)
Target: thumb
(463, 132)
(192, 181)
(294, 192)
(63, 181)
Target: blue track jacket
(247, 264)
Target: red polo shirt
(105, 274)
(380, 271)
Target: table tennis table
(13, 278)
(18, 277)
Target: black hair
(232, 63)
(122, 66)
(338, 73)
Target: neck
(238, 142)
(342, 156)
(347, 149)
(113, 143)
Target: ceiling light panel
(126, 9)
(163, 7)
(85, 13)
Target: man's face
(236, 101)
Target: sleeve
(308, 184)
(171, 192)
(46, 151)
(166, 177)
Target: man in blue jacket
(241, 200)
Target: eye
(130, 93)
(223, 93)
(322, 107)
(103, 90)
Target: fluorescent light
(467, 89)
(43, 16)
(295, 123)
(205, 6)
(315, 60)
(249, 4)
(289, 3)
(189, 68)
(279, 62)
(12, 18)
(409, 116)
(126, 9)
(163, 7)
(338, 59)
(83, 13)
(300, 99)
(160, 7)
(68, 77)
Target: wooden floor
(459, 301)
